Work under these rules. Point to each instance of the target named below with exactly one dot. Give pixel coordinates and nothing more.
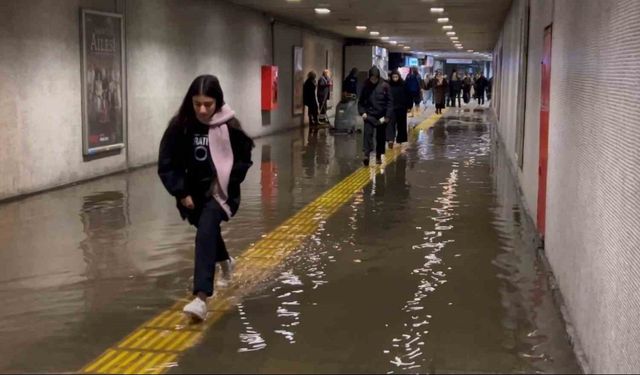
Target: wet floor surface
(430, 268)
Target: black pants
(466, 95)
(397, 129)
(313, 115)
(480, 97)
(452, 99)
(210, 247)
(374, 126)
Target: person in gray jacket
(376, 108)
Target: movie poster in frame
(298, 80)
(103, 82)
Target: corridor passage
(425, 264)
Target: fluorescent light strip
(322, 10)
(361, 28)
(437, 10)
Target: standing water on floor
(431, 267)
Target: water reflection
(104, 215)
(407, 349)
(250, 339)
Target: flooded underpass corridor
(425, 264)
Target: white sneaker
(196, 309)
(227, 270)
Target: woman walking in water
(204, 157)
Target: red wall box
(269, 87)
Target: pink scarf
(221, 154)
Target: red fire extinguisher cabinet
(269, 87)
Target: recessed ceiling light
(447, 27)
(407, 47)
(451, 33)
(437, 10)
(393, 42)
(322, 10)
(374, 33)
(361, 28)
(454, 38)
(400, 45)
(384, 38)
(443, 20)
(469, 50)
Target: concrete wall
(592, 236)
(286, 37)
(168, 43)
(316, 48)
(40, 96)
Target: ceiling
(477, 23)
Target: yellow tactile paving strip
(154, 347)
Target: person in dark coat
(350, 84)
(309, 99)
(376, 108)
(481, 87)
(401, 104)
(204, 156)
(455, 86)
(466, 88)
(440, 87)
(414, 87)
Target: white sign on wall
(459, 61)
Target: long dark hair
(207, 85)
(400, 80)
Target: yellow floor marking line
(153, 348)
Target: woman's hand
(187, 202)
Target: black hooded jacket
(376, 100)
(401, 95)
(184, 175)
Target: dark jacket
(350, 84)
(481, 84)
(413, 83)
(401, 96)
(455, 86)
(376, 101)
(309, 93)
(183, 175)
(466, 83)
